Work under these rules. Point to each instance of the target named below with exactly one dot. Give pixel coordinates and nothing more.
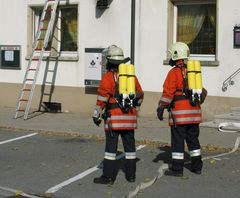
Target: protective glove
(160, 111)
(203, 95)
(97, 117)
(97, 120)
(137, 102)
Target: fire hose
(232, 128)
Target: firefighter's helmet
(115, 55)
(179, 50)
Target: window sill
(203, 63)
(10, 68)
(59, 58)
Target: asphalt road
(64, 167)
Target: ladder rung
(21, 110)
(40, 39)
(26, 89)
(43, 29)
(38, 49)
(44, 20)
(29, 79)
(49, 10)
(23, 100)
(32, 69)
(35, 59)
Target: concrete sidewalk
(150, 129)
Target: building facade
(83, 30)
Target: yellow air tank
(191, 76)
(198, 77)
(131, 80)
(122, 79)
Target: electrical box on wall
(10, 57)
(102, 4)
(94, 66)
(236, 36)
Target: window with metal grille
(196, 26)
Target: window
(65, 39)
(69, 29)
(194, 22)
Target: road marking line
(18, 138)
(83, 174)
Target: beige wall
(75, 99)
(153, 34)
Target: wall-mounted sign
(10, 57)
(236, 36)
(94, 66)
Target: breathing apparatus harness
(125, 107)
(122, 102)
(118, 98)
(187, 93)
(125, 94)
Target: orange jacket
(182, 111)
(117, 119)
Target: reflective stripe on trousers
(195, 153)
(176, 155)
(110, 156)
(130, 155)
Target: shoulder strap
(115, 80)
(183, 67)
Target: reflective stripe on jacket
(119, 122)
(117, 119)
(182, 111)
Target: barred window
(196, 26)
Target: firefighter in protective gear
(184, 118)
(116, 120)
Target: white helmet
(179, 50)
(115, 55)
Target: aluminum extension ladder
(44, 32)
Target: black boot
(130, 171)
(197, 165)
(175, 173)
(176, 168)
(109, 173)
(197, 172)
(131, 178)
(103, 180)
